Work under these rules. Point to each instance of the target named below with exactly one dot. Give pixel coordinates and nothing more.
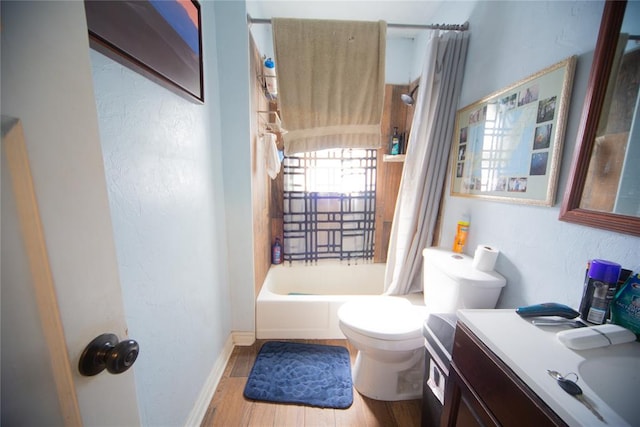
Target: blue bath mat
(306, 374)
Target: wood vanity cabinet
(483, 391)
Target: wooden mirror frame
(570, 211)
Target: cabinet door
(463, 407)
(466, 417)
(492, 393)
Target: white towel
(272, 157)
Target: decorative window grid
(329, 205)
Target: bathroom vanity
(498, 376)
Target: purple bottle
(599, 290)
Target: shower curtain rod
(453, 27)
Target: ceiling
(420, 12)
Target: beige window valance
(331, 82)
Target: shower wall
(260, 181)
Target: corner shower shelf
(397, 158)
(272, 121)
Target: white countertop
(531, 350)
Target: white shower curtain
(426, 164)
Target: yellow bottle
(461, 236)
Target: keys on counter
(574, 389)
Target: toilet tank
(450, 282)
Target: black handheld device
(547, 309)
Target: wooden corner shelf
(399, 158)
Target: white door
(58, 231)
(41, 384)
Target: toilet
(387, 330)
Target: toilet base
(389, 381)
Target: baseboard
(202, 404)
(243, 338)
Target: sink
(609, 376)
(615, 379)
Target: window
(329, 205)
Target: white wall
(400, 61)
(232, 35)
(543, 258)
(163, 164)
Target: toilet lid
(382, 317)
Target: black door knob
(107, 352)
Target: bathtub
(302, 301)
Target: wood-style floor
(229, 408)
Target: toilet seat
(384, 318)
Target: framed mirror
(604, 184)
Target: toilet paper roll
(485, 258)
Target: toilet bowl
(387, 330)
